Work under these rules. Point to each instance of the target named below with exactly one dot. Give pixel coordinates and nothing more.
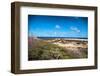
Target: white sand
(68, 45)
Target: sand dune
(45, 49)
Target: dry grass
(47, 50)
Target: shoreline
(78, 39)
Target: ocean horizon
(66, 37)
(69, 38)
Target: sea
(66, 38)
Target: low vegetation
(41, 50)
(46, 51)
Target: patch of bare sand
(71, 45)
(75, 50)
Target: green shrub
(47, 51)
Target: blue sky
(57, 26)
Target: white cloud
(75, 29)
(58, 27)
